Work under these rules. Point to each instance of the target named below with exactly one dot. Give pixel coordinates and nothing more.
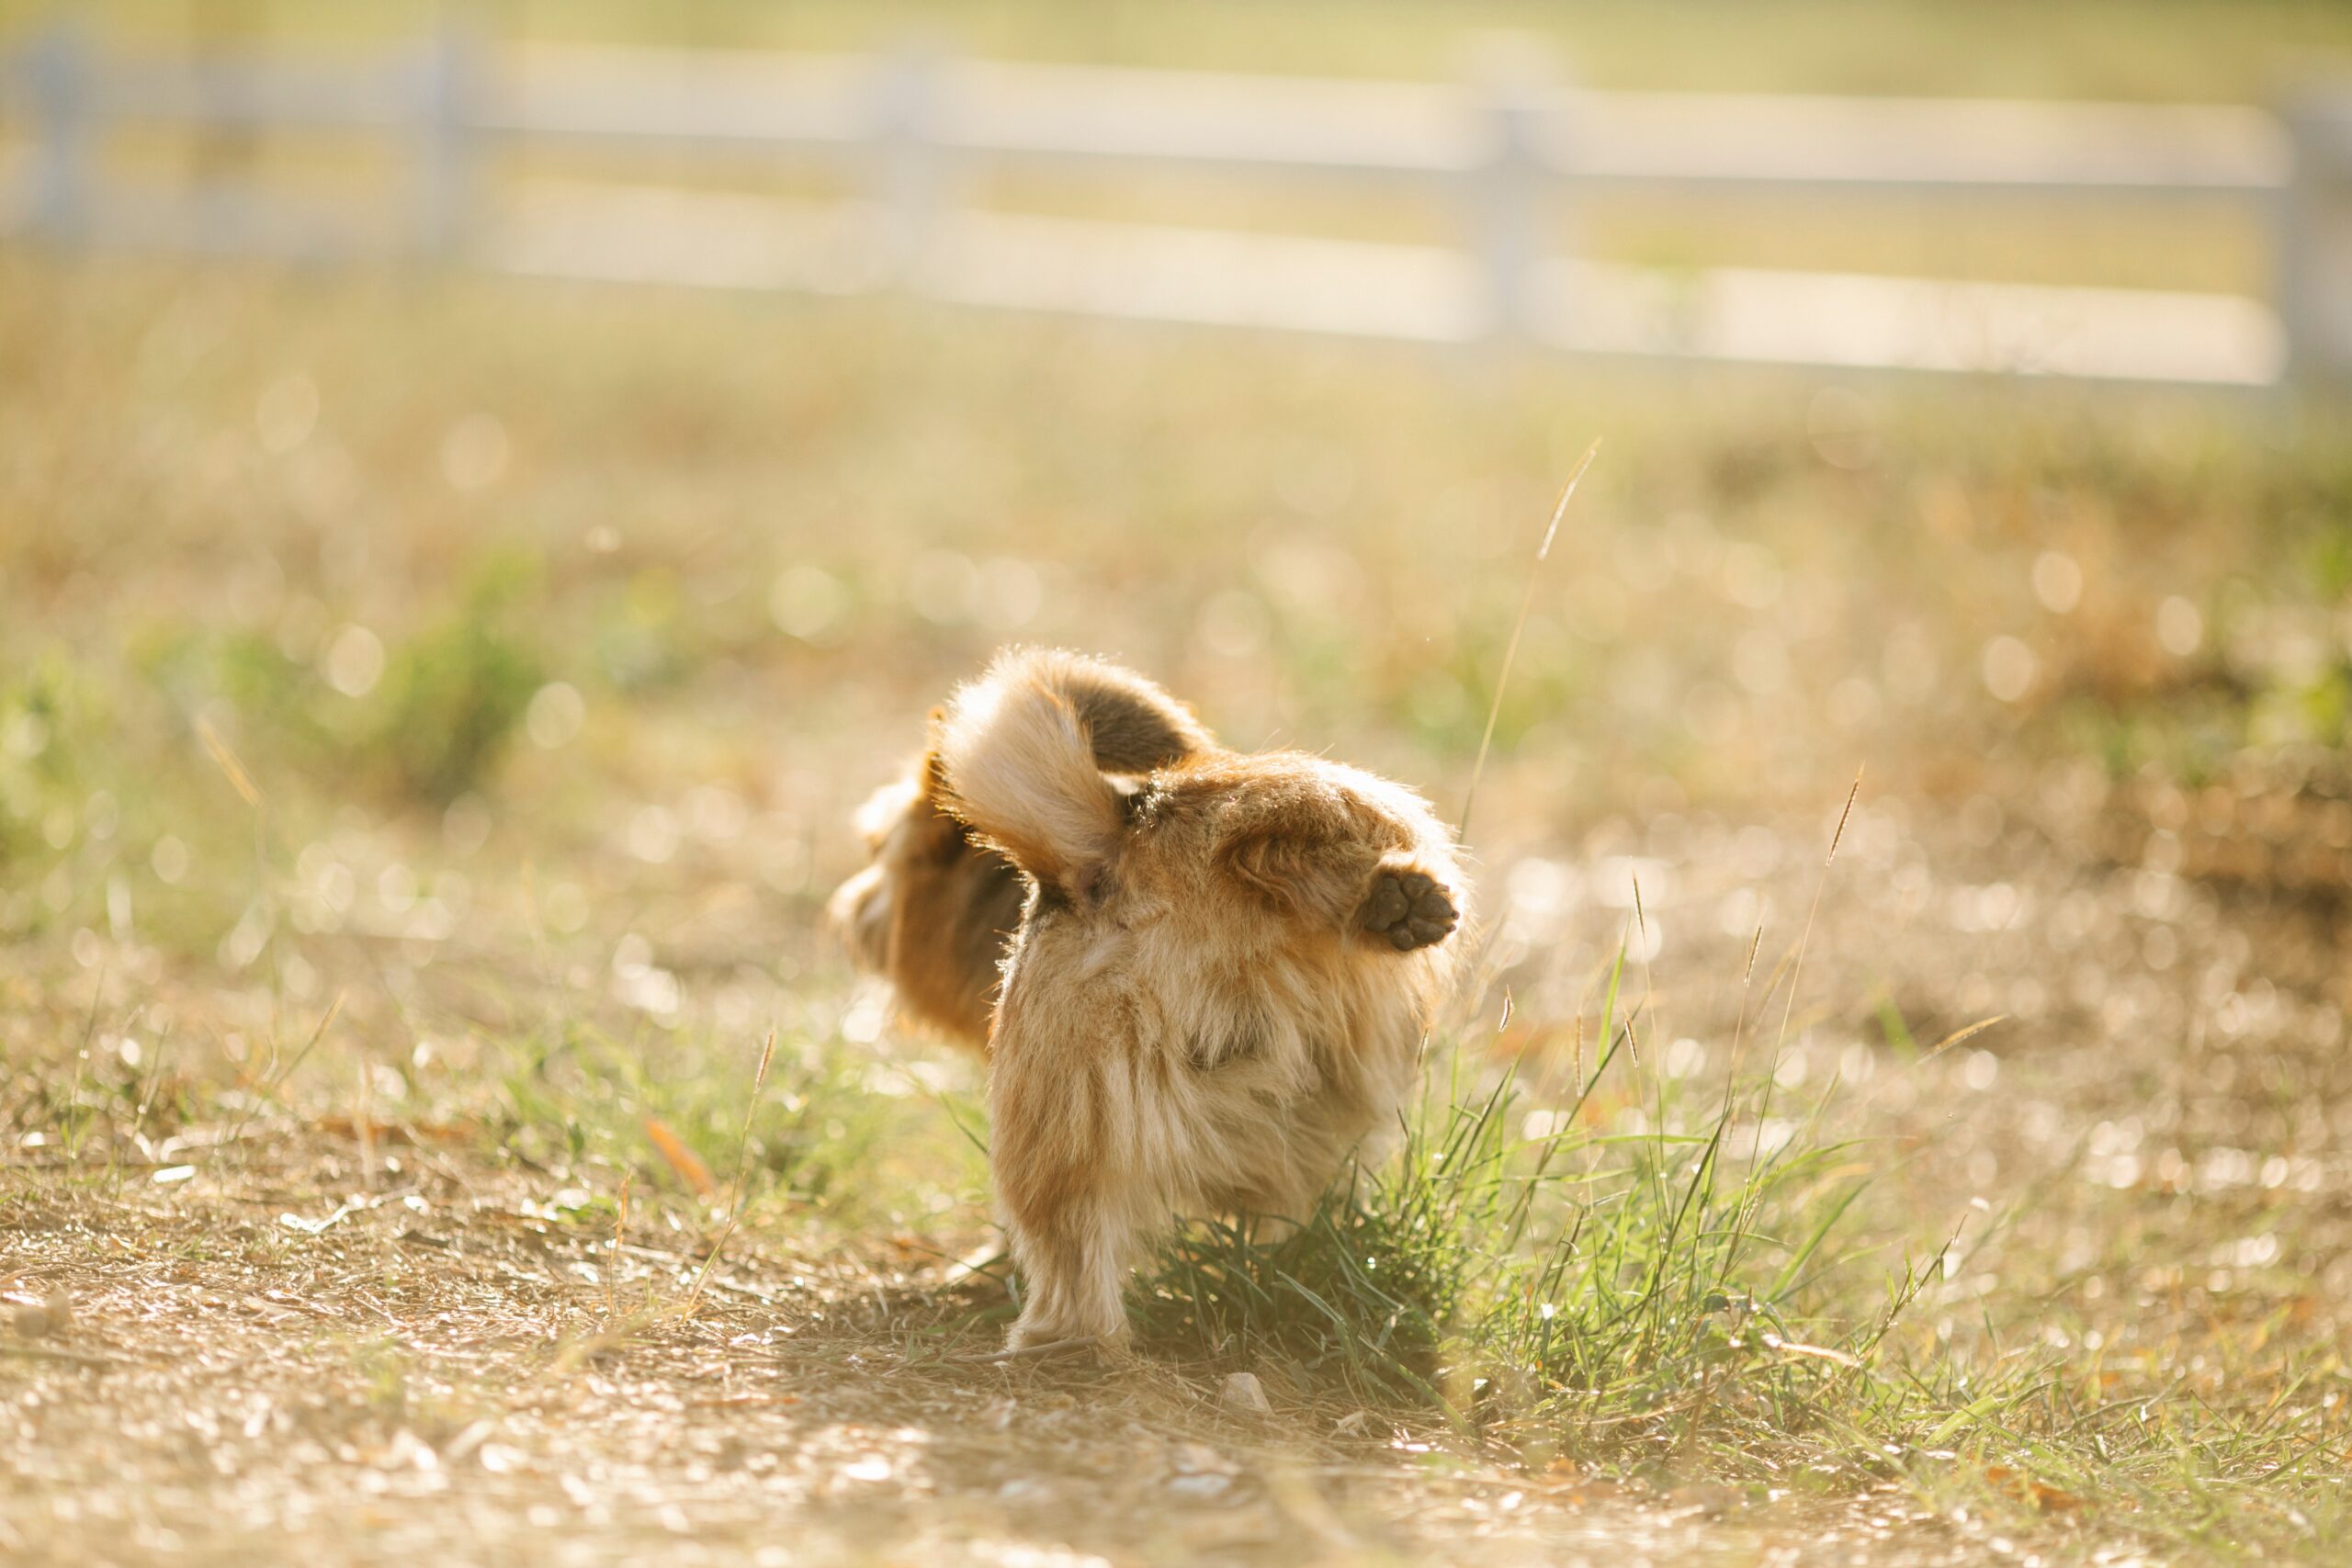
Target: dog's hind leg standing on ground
(1218, 989)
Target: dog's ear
(934, 830)
(931, 775)
(880, 813)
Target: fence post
(59, 65)
(2313, 238)
(907, 152)
(448, 83)
(1515, 85)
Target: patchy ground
(272, 1335)
(430, 714)
(440, 1378)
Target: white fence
(1509, 150)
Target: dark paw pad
(1411, 908)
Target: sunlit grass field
(1900, 1112)
(431, 708)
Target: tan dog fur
(1218, 988)
(936, 911)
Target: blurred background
(485, 491)
(551, 456)
(441, 398)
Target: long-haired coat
(934, 911)
(1219, 983)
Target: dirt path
(422, 1381)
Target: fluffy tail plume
(1024, 748)
(1134, 726)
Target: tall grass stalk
(1629, 1275)
(1518, 625)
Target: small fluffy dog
(1219, 984)
(936, 911)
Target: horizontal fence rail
(1509, 148)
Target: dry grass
(325, 1085)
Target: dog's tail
(1025, 749)
(1135, 726)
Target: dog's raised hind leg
(1408, 907)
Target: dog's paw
(1408, 909)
